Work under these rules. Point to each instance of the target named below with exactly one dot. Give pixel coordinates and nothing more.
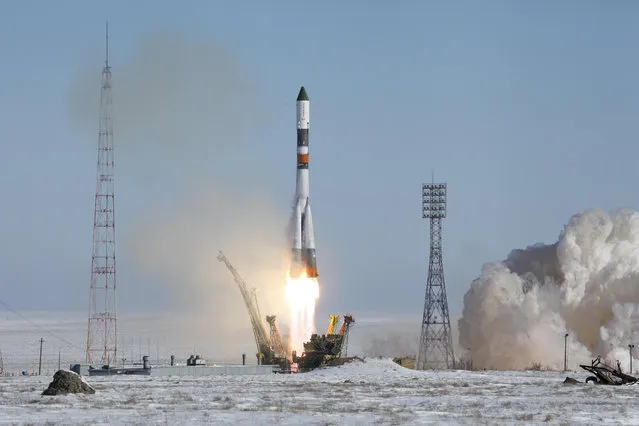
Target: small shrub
(536, 366)
(525, 417)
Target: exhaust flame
(301, 294)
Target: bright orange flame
(301, 294)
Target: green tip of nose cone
(303, 96)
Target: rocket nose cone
(302, 96)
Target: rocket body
(303, 253)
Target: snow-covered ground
(376, 391)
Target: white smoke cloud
(587, 284)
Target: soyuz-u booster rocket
(303, 256)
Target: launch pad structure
(327, 349)
(436, 343)
(270, 349)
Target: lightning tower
(436, 343)
(102, 343)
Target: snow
(377, 391)
(369, 392)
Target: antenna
(107, 44)
(102, 336)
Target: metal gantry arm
(276, 338)
(261, 336)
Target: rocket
(303, 253)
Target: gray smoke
(586, 284)
(179, 104)
(182, 108)
(180, 246)
(391, 344)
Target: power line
(39, 327)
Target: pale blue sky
(527, 109)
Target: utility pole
(630, 348)
(40, 362)
(566, 352)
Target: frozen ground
(160, 335)
(374, 392)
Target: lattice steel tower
(102, 337)
(436, 343)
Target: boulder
(65, 382)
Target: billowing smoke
(586, 284)
(182, 107)
(179, 248)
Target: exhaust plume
(182, 107)
(586, 284)
(179, 249)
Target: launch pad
(302, 288)
(273, 350)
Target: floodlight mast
(436, 344)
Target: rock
(571, 381)
(65, 382)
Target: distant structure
(436, 343)
(102, 340)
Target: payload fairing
(303, 256)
